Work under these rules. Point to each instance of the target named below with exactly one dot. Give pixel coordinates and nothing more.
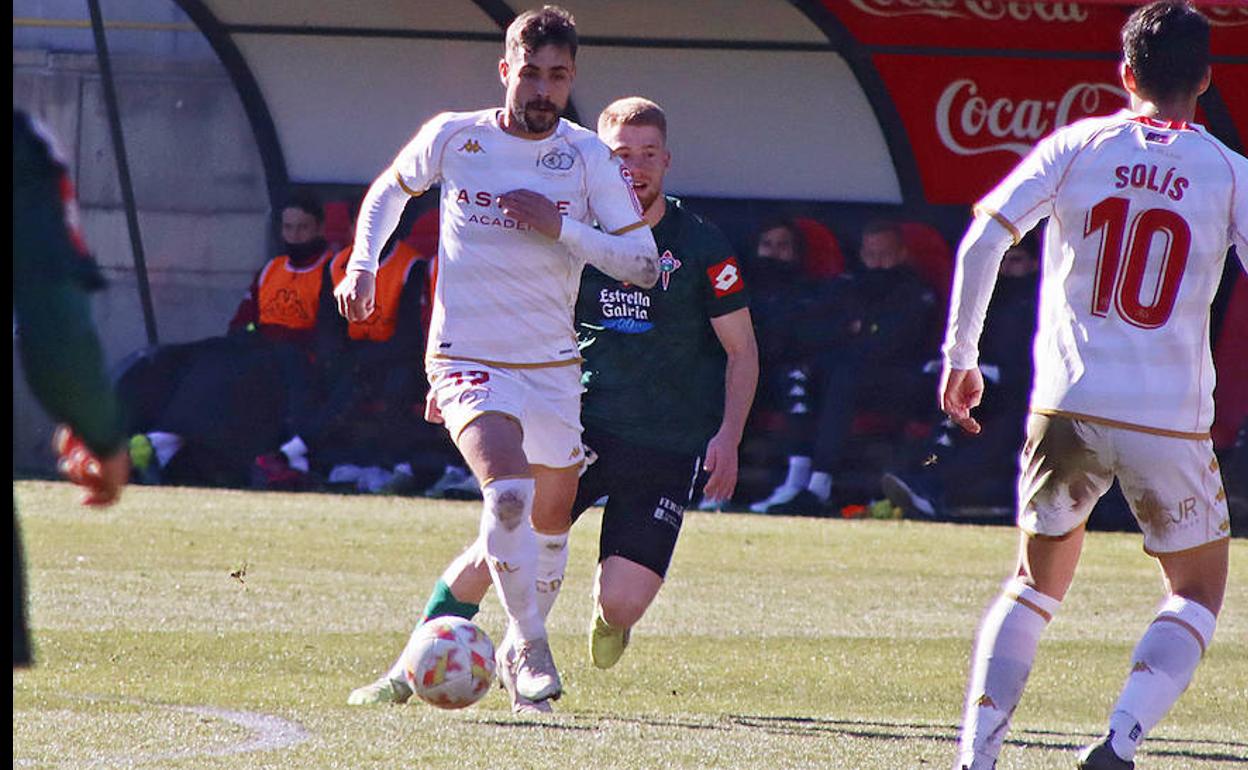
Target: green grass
(777, 643)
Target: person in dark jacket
(862, 343)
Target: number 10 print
(1121, 267)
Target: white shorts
(546, 401)
(1173, 485)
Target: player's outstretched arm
(380, 210)
(979, 259)
(627, 255)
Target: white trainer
(505, 662)
(384, 690)
(779, 496)
(536, 677)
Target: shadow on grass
(1203, 750)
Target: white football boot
(505, 664)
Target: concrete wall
(199, 183)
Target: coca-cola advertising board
(1231, 81)
(1035, 25)
(1040, 25)
(970, 120)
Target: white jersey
(504, 293)
(1141, 215)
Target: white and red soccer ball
(449, 663)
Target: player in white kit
(521, 189)
(1142, 206)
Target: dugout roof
(877, 101)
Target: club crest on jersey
(471, 146)
(557, 160)
(668, 264)
(725, 277)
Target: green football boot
(606, 643)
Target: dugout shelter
(188, 121)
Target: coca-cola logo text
(988, 10)
(1223, 16)
(969, 123)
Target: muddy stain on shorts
(1150, 510)
(1060, 463)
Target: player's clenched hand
(721, 463)
(533, 209)
(102, 479)
(960, 392)
(354, 295)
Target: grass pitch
(189, 628)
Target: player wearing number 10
(1142, 207)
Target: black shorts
(647, 490)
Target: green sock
(443, 602)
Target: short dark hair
(1166, 45)
(307, 202)
(551, 25)
(882, 226)
(783, 223)
(633, 111)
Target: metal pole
(123, 170)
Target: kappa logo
(726, 277)
(287, 305)
(471, 146)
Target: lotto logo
(726, 277)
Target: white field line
(267, 733)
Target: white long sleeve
(979, 259)
(379, 214)
(630, 256)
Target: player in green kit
(53, 275)
(670, 374)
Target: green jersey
(52, 273)
(654, 369)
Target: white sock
(1004, 652)
(1162, 665)
(799, 473)
(552, 561)
(296, 454)
(166, 445)
(511, 552)
(820, 485)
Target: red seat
(930, 257)
(424, 239)
(824, 258)
(424, 235)
(338, 230)
(1230, 358)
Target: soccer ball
(449, 662)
